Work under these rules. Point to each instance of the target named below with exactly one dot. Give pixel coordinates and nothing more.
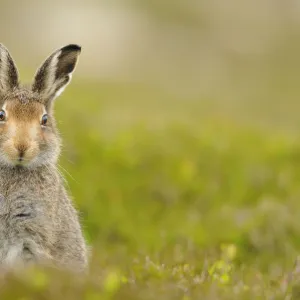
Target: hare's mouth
(21, 161)
(16, 161)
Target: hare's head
(28, 136)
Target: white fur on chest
(12, 254)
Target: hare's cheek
(33, 151)
(46, 136)
(9, 149)
(3, 128)
(44, 140)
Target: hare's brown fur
(38, 223)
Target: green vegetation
(178, 201)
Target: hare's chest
(15, 217)
(13, 181)
(10, 248)
(14, 255)
(10, 253)
(3, 187)
(9, 182)
(27, 182)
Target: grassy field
(179, 199)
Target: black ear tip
(72, 47)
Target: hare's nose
(22, 148)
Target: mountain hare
(38, 223)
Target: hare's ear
(9, 78)
(55, 73)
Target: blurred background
(241, 55)
(180, 126)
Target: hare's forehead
(19, 109)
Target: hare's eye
(44, 120)
(2, 115)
